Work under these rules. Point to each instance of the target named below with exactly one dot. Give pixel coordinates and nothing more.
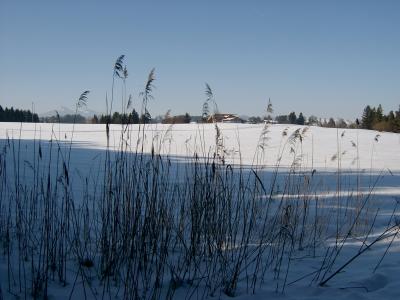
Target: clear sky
(327, 58)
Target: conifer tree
(270, 110)
(367, 118)
(379, 114)
(300, 120)
(292, 118)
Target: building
(224, 118)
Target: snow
(368, 163)
(319, 146)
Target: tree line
(301, 119)
(374, 118)
(17, 115)
(133, 118)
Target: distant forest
(17, 115)
(374, 118)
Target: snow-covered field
(347, 182)
(319, 146)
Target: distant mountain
(62, 111)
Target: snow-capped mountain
(62, 111)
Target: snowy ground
(240, 141)
(365, 161)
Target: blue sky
(327, 58)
